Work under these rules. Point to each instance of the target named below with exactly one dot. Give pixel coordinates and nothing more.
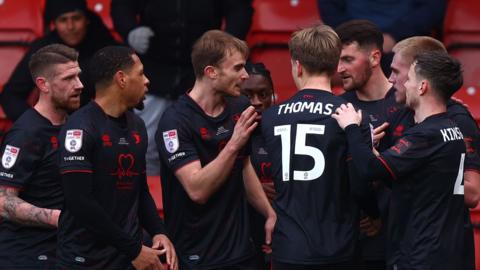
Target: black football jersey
(29, 163)
(114, 153)
(471, 137)
(263, 168)
(214, 234)
(426, 213)
(317, 217)
(376, 113)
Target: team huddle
(380, 177)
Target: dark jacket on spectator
(177, 25)
(20, 85)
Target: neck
(320, 82)
(428, 108)
(212, 102)
(110, 101)
(55, 115)
(376, 87)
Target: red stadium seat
(155, 187)
(22, 21)
(461, 37)
(462, 23)
(273, 23)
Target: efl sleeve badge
(170, 138)
(73, 140)
(10, 156)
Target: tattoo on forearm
(17, 210)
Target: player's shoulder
(86, 118)
(459, 112)
(349, 96)
(238, 104)
(454, 107)
(29, 125)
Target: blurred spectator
(162, 33)
(397, 19)
(73, 25)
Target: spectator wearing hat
(73, 25)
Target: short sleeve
(471, 138)
(76, 149)
(175, 143)
(21, 153)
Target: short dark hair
(317, 49)
(41, 62)
(364, 32)
(259, 69)
(442, 71)
(107, 61)
(212, 47)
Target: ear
(298, 67)
(210, 72)
(375, 57)
(120, 78)
(423, 87)
(42, 84)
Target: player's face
(72, 27)
(259, 90)
(137, 83)
(354, 67)
(65, 86)
(411, 86)
(231, 74)
(398, 77)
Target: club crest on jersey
(73, 140)
(10, 156)
(170, 138)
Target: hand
(161, 242)
(459, 101)
(269, 190)
(266, 249)
(148, 259)
(139, 38)
(244, 127)
(269, 226)
(370, 227)
(388, 43)
(378, 133)
(346, 115)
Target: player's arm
(201, 182)
(472, 188)
(471, 176)
(257, 198)
(14, 209)
(367, 164)
(151, 222)
(79, 199)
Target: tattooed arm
(19, 211)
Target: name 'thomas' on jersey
(317, 217)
